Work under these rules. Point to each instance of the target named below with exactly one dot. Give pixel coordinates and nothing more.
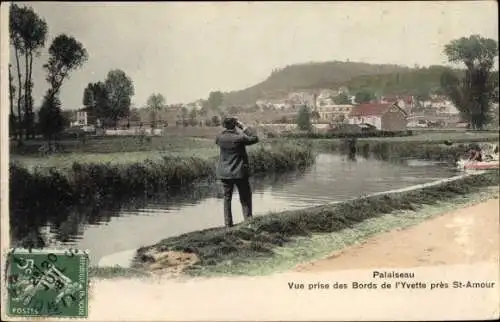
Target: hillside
(383, 79)
(307, 76)
(415, 81)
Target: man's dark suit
(233, 169)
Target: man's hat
(229, 122)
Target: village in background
(344, 97)
(329, 109)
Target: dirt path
(464, 236)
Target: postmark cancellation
(47, 283)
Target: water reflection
(118, 226)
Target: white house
(80, 119)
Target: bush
(98, 181)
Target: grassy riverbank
(430, 146)
(221, 249)
(95, 180)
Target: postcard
(249, 161)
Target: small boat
(476, 165)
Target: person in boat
(233, 167)
(475, 153)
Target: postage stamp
(47, 283)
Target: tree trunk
(12, 117)
(19, 94)
(11, 93)
(30, 89)
(26, 97)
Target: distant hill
(393, 79)
(414, 81)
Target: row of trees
(108, 101)
(28, 35)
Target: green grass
(129, 150)
(457, 137)
(430, 146)
(317, 246)
(92, 180)
(65, 161)
(259, 237)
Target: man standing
(233, 168)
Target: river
(112, 234)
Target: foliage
(95, 100)
(215, 100)
(119, 89)
(50, 117)
(472, 94)
(386, 79)
(332, 74)
(28, 34)
(364, 96)
(233, 110)
(192, 117)
(215, 121)
(96, 181)
(304, 119)
(12, 95)
(156, 102)
(65, 55)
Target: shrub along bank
(98, 181)
(428, 149)
(259, 236)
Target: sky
(184, 50)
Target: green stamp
(47, 283)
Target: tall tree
(17, 22)
(66, 54)
(12, 115)
(95, 100)
(215, 100)
(34, 35)
(120, 89)
(304, 119)
(15, 25)
(28, 34)
(50, 117)
(473, 93)
(184, 115)
(192, 117)
(156, 103)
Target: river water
(124, 228)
